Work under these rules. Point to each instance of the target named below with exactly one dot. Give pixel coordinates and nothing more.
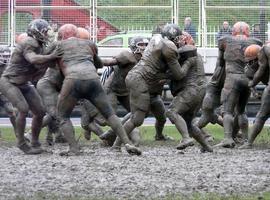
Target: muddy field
(160, 172)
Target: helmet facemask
(141, 46)
(38, 29)
(138, 44)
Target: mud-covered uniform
(188, 95)
(235, 92)
(4, 103)
(262, 74)
(211, 100)
(91, 119)
(49, 87)
(25, 66)
(115, 85)
(78, 65)
(145, 82)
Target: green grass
(210, 196)
(147, 133)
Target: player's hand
(57, 52)
(250, 84)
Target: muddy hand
(58, 52)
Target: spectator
(190, 28)
(224, 30)
(256, 32)
(53, 32)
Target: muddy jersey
(218, 77)
(195, 76)
(19, 70)
(2, 68)
(4, 58)
(80, 59)
(54, 76)
(159, 56)
(126, 60)
(234, 48)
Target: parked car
(121, 40)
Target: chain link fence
(104, 18)
(254, 12)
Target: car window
(115, 42)
(129, 39)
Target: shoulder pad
(125, 53)
(223, 41)
(187, 48)
(126, 57)
(169, 44)
(187, 51)
(29, 41)
(266, 49)
(256, 41)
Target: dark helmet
(171, 32)
(138, 44)
(38, 29)
(4, 55)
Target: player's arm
(220, 59)
(263, 64)
(97, 60)
(32, 57)
(177, 72)
(109, 61)
(221, 49)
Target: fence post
(204, 30)
(268, 30)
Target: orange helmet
(67, 31)
(240, 28)
(83, 33)
(21, 37)
(251, 52)
(186, 39)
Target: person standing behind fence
(224, 30)
(189, 27)
(256, 33)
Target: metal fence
(107, 17)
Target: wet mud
(159, 172)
